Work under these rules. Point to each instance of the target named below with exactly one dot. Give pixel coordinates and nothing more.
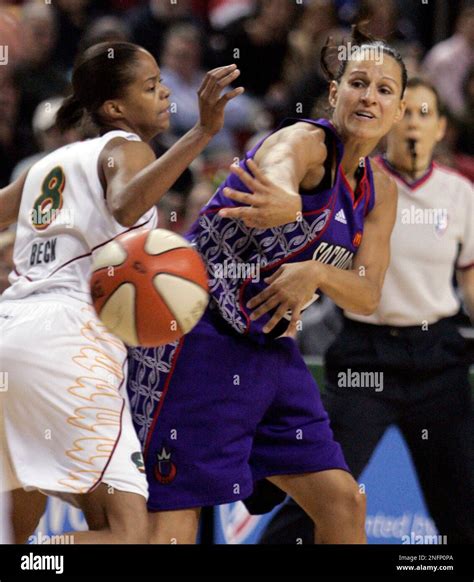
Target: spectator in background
(7, 240)
(304, 81)
(223, 12)
(105, 28)
(36, 77)
(465, 143)
(383, 21)
(10, 36)
(262, 43)
(150, 23)
(15, 141)
(74, 16)
(200, 194)
(47, 135)
(181, 71)
(306, 39)
(448, 62)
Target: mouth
(364, 115)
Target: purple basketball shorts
(216, 412)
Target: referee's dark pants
(426, 393)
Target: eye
(386, 90)
(152, 88)
(357, 84)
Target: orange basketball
(149, 287)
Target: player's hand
(291, 287)
(211, 101)
(269, 205)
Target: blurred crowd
(276, 44)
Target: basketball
(149, 287)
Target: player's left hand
(290, 288)
(268, 206)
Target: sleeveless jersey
(63, 220)
(238, 258)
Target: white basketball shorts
(67, 423)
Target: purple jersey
(238, 257)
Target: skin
(423, 123)
(289, 159)
(294, 158)
(135, 182)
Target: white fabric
(418, 284)
(68, 425)
(65, 248)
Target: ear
(112, 109)
(401, 111)
(442, 126)
(333, 88)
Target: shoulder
(384, 185)
(120, 149)
(453, 176)
(303, 135)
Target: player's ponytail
(70, 113)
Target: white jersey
(63, 220)
(433, 235)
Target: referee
(411, 344)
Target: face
(183, 56)
(277, 13)
(466, 26)
(421, 122)
(144, 106)
(366, 99)
(40, 37)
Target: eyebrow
(154, 78)
(357, 71)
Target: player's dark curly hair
(330, 53)
(100, 73)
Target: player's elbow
(368, 303)
(122, 213)
(124, 217)
(371, 302)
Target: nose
(369, 96)
(165, 92)
(413, 121)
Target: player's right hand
(211, 101)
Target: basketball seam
(164, 252)
(166, 302)
(135, 304)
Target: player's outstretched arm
(284, 162)
(357, 290)
(136, 181)
(10, 198)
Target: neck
(354, 151)
(404, 165)
(124, 126)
